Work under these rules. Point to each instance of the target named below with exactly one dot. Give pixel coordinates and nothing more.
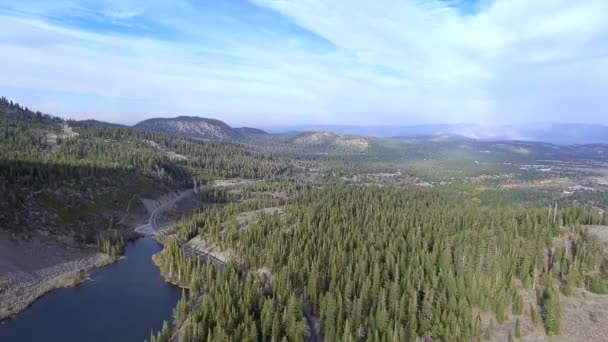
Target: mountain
(200, 128)
(192, 126)
(571, 133)
(563, 134)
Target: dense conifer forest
(383, 264)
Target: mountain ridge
(215, 129)
(199, 127)
(557, 133)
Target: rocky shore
(19, 289)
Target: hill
(198, 127)
(93, 123)
(75, 178)
(191, 126)
(326, 141)
(249, 131)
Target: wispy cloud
(309, 61)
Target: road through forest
(153, 228)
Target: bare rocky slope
(199, 127)
(332, 141)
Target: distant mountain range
(206, 128)
(544, 141)
(552, 133)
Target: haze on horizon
(279, 63)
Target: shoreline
(164, 273)
(165, 276)
(19, 290)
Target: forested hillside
(80, 177)
(383, 264)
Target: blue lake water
(122, 302)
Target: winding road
(152, 228)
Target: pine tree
(551, 311)
(517, 328)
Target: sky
(267, 63)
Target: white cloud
(391, 61)
(490, 60)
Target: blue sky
(278, 62)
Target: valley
(304, 236)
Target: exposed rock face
(199, 127)
(19, 289)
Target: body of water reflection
(122, 302)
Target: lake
(122, 302)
